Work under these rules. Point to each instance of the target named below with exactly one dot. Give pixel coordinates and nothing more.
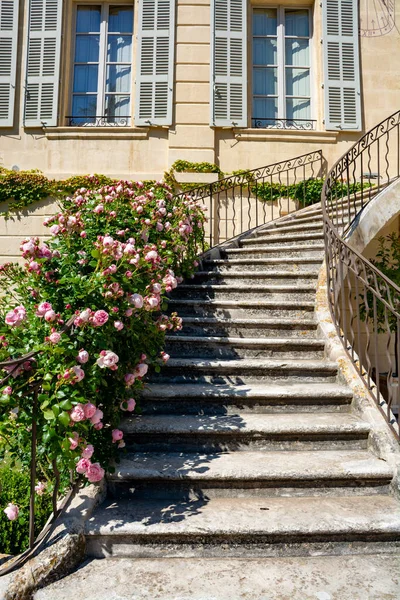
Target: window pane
(265, 81)
(119, 48)
(297, 82)
(88, 19)
(265, 108)
(121, 19)
(297, 108)
(297, 52)
(118, 78)
(118, 106)
(264, 21)
(85, 78)
(297, 23)
(87, 48)
(84, 106)
(264, 51)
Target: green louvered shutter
(8, 59)
(155, 62)
(228, 63)
(341, 65)
(43, 63)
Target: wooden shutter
(155, 62)
(8, 59)
(341, 65)
(43, 63)
(228, 64)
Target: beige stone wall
(147, 152)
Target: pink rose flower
(82, 357)
(153, 301)
(117, 435)
(97, 417)
(79, 373)
(151, 256)
(12, 511)
(74, 440)
(40, 488)
(129, 379)
(156, 288)
(90, 410)
(98, 209)
(94, 473)
(28, 247)
(128, 405)
(43, 308)
(77, 413)
(107, 359)
(136, 300)
(55, 229)
(7, 391)
(118, 325)
(82, 465)
(98, 425)
(99, 318)
(141, 370)
(129, 312)
(88, 451)
(15, 317)
(55, 337)
(50, 316)
(165, 357)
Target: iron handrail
(363, 301)
(248, 199)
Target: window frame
(281, 66)
(101, 117)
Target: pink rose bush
(85, 310)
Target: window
(102, 71)
(281, 68)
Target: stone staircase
(248, 466)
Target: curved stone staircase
(248, 473)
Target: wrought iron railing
(364, 302)
(249, 199)
(98, 121)
(273, 123)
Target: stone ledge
(287, 135)
(63, 552)
(96, 133)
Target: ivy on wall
(23, 188)
(185, 166)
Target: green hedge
(14, 487)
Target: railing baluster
(371, 298)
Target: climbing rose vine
(85, 309)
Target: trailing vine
(185, 166)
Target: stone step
(229, 399)
(150, 528)
(249, 473)
(268, 250)
(180, 370)
(303, 239)
(242, 308)
(242, 432)
(268, 277)
(287, 227)
(282, 328)
(198, 291)
(290, 264)
(233, 347)
(214, 578)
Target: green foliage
(14, 488)
(185, 166)
(23, 188)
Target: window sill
(96, 133)
(295, 135)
